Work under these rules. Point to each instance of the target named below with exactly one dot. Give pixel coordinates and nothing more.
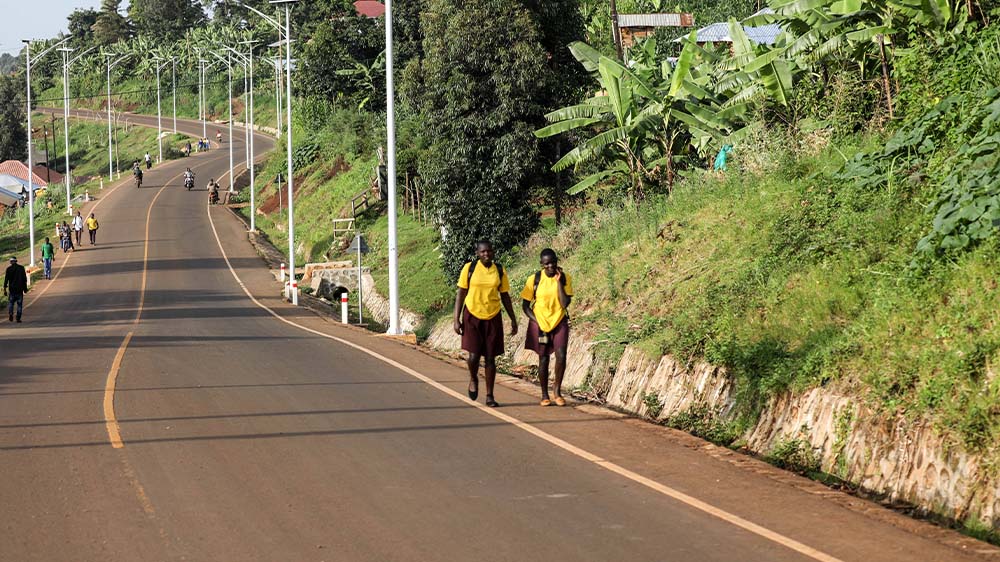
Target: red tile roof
(20, 170)
(45, 173)
(370, 8)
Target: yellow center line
(663, 489)
(110, 421)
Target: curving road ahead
(160, 402)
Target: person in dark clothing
(15, 283)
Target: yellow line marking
(691, 501)
(114, 433)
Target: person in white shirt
(78, 227)
(149, 161)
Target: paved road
(151, 410)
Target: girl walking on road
(482, 287)
(544, 300)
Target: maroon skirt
(558, 338)
(482, 337)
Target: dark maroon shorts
(482, 337)
(558, 338)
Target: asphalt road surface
(151, 410)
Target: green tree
(13, 138)
(165, 19)
(350, 43)
(80, 24)
(483, 64)
(110, 26)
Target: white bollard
(102, 182)
(295, 292)
(343, 307)
(86, 196)
(282, 273)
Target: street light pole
(111, 171)
(250, 160)
(288, 145)
(65, 52)
(390, 127)
(229, 69)
(159, 123)
(173, 80)
(31, 172)
(31, 164)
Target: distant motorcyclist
(218, 136)
(188, 179)
(137, 173)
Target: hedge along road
(246, 437)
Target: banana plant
(623, 118)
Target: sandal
(545, 402)
(559, 401)
(491, 402)
(473, 394)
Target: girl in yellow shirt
(545, 298)
(483, 287)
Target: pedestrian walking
(483, 286)
(149, 160)
(48, 254)
(544, 300)
(218, 137)
(92, 226)
(78, 227)
(15, 283)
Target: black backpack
(534, 290)
(472, 268)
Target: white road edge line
(700, 505)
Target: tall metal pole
(277, 92)
(159, 124)
(173, 80)
(31, 165)
(390, 128)
(246, 118)
(66, 52)
(288, 146)
(229, 69)
(204, 104)
(253, 188)
(111, 171)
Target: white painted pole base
(295, 292)
(86, 196)
(343, 308)
(102, 183)
(282, 273)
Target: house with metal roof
(719, 32)
(635, 27)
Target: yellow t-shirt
(548, 310)
(91, 223)
(483, 299)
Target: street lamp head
(66, 49)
